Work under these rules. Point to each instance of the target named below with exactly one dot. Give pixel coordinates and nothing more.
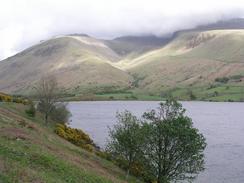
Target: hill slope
(31, 152)
(74, 60)
(203, 61)
(132, 46)
(192, 59)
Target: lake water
(221, 123)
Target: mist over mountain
(83, 64)
(24, 23)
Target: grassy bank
(31, 152)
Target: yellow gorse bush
(75, 136)
(7, 98)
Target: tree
(125, 139)
(47, 92)
(60, 113)
(173, 148)
(31, 111)
(191, 95)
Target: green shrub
(136, 169)
(60, 113)
(133, 97)
(236, 77)
(111, 97)
(88, 147)
(222, 80)
(104, 155)
(191, 95)
(211, 86)
(17, 100)
(216, 93)
(31, 111)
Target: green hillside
(33, 153)
(75, 61)
(194, 61)
(193, 64)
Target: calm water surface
(221, 123)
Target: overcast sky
(26, 22)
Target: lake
(221, 123)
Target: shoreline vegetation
(33, 149)
(30, 151)
(162, 146)
(118, 97)
(141, 97)
(215, 92)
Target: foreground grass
(31, 152)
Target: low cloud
(25, 23)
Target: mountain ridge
(146, 65)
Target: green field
(220, 93)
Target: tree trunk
(159, 179)
(127, 174)
(128, 171)
(46, 118)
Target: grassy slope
(74, 61)
(192, 61)
(31, 152)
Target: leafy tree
(126, 139)
(216, 93)
(47, 92)
(31, 111)
(173, 148)
(191, 95)
(60, 113)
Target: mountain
(79, 62)
(75, 61)
(194, 58)
(136, 45)
(207, 62)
